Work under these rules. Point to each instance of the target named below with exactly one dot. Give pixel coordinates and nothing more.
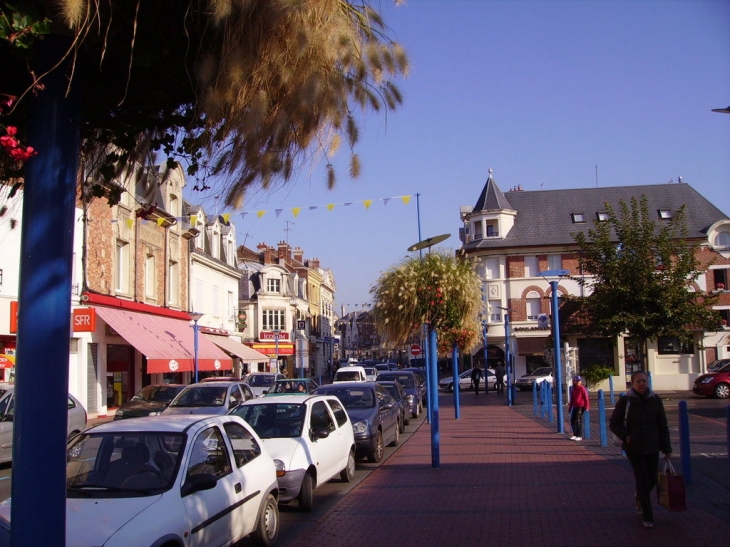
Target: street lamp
(276, 348)
(556, 338)
(195, 316)
(508, 356)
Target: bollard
(534, 398)
(684, 450)
(610, 387)
(587, 424)
(456, 378)
(549, 397)
(602, 418)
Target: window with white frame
(720, 279)
(478, 229)
(722, 239)
(495, 313)
(121, 267)
(273, 320)
(531, 266)
(533, 305)
(150, 277)
(492, 268)
(492, 229)
(273, 285)
(555, 262)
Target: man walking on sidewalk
(499, 373)
(476, 376)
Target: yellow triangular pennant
(260, 213)
(330, 206)
(295, 211)
(368, 203)
(405, 199)
(193, 219)
(226, 217)
(130, 222)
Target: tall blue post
(430, 393)
(46, 251)
(587, 424)
(602, 418)
(558, 364)
(549, 398)
(457, 388)
(508, 354)
(684, 449)
(435, 449)
(534, 398)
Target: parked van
(350, 374)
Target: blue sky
(540, 91)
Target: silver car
(209, 398)
(76, 421)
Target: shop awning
(167, 343)
(531, 346)
(247, 355)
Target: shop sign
(84, 320)
(271, 335)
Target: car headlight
(119, 414)
(707, 380)
(156, 413)
(360, 427)
(280, 468)
(409, 398)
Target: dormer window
(492, 229)
(722, 239)
(478, 230)
(273, 285)
(602, 217)
(665, 214)
(578, 218)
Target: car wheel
(401, 424)
(376, 456)
(450, 387)
(417, 412)
(406, 419)
(306, 494)
(396, 441)
(722, 391)
(267, 528)
(348, 473)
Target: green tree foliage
(640, 276)
(244, 90)
(438, 289)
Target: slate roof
(544, 217)
(491, 198)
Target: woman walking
(640, 421)
(578, 405)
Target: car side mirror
(197, 483)
(321, 433)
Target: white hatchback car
(310, 438)
(76, 420)
(179, 480)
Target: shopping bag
(670, 489)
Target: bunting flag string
(295, 211)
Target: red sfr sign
(416, 349)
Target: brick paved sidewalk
(506, 480)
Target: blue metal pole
(46, 252)
(509, 361)
(587, 424)
(457, 388)
(558, 364)
(549, 396)
(602, 418)
(684, 447)
(195, 349)
(534, 398)
(486, 356)
(431, 394)
(435, 449)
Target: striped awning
(167, 343)
(246, 354)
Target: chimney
(298, 255)
(313, 262)
(283, 252)
(268, 255)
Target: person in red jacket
(579, 403)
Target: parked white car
(488, 379)
(310, 438)
(261, 382)
(76, 420)
(190, 480)
(539, 375)
(209, 398)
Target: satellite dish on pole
(428, 243)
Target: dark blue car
(415, 389)
(373, 413)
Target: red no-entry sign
(416, 349)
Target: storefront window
(669, 345)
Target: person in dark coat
(476, 376)
(499, 374)
(640, 421)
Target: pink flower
(8, 142)
(11, 130)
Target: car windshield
(720, 365)
(406, 380)
(347, 375)
(542, 371)
(290, 386)
(724, 368)
(274, 420)
(392, 389)
(157, 394)
(369, 371)
(352, 398)
(122, 464)
(260, 380)
(201, 396)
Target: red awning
(167, 343)
(7, 361)
(247, 354)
